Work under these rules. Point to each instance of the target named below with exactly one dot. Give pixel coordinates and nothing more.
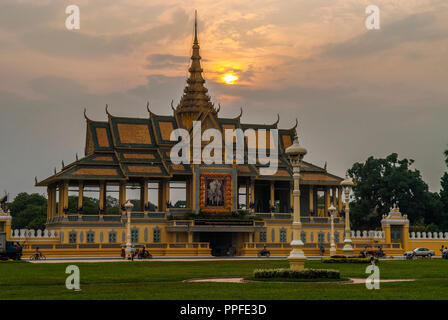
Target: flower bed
(297, 274)
(347, 260)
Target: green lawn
(164, 280)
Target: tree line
(381, 182)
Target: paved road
(162, 258)
(113, 259)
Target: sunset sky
(356, 92)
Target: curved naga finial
(295, 126)
(219, 107)
(276, 122)
(172, 101)
(55, 171)
(107, 111)
(239, 116)
(35, 180)
(147, 108)
(76, 156)
(63, 165)
(85, 115)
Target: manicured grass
(164, 280)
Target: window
(263, 236)
(303, 236)
(72, 237)
(153, 198)
(282, 235)
(133, 194)
(112, 237)
(134, 235)
(321, 237)
(90, 236)
(156, 234)
(178, 194)
(242, 197)
(336, 237)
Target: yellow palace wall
(276, 233)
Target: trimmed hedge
(347, 260)
(297, 274)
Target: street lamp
(296, 257)
(347, 184)
(128, 250)
(332, 210)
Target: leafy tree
(89, 205)
(180, 204)
(382, 182)
(444, 194)
(112, 205)
(29, 211)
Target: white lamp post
(297, 256)
(347, 184)
(128, 250)
(332, 210)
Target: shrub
(347, 260)
(297, 274)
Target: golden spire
(195, 98)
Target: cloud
(165, 61)
(420, 27)
(160, 90)
(58, 41)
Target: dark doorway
(221, 243)
(396, 233)
(262, 196)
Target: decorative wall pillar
(272, 199)
(340, 199)
(335, 202)
(50, 212)
(194, 203)
(80, 195)
(291, 198)
(311, 199)
(161, 197)
(327, 201)
(66, 186)
(247, 195)
(252, 194)
(167, 194)
(54, 200)
(144, 196)
(48, 204)
(102, 197)
(188, 192)
(60, 200)
(122, 197)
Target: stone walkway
(178, 259)
(241, 280)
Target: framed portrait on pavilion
(216, 193)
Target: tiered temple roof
(139, 148)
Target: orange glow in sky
(229, 78)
